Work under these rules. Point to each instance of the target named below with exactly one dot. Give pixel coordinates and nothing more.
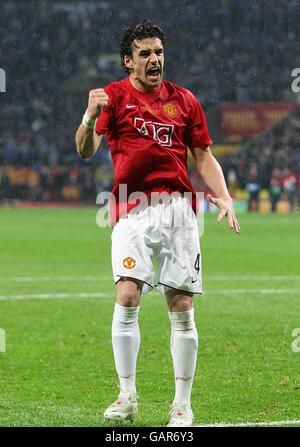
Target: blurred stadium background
(57, 295)
(236, 56)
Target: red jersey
(148, 135)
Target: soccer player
(149, 124)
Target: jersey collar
(156, 95)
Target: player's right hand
(98, 99)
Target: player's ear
(128, 62)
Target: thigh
(131, 257)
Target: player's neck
(138, 85)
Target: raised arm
(212, 174)
(87, 140)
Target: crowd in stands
(271, 162)
(54, 52)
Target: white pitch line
(49, 296)
(54, 278)
(253, 424)
(249, 291)
(253, 277)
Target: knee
(128, 293)
(182, 306)
(179, 302)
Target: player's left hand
(226, 207)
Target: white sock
(126, 343)
(184, 348)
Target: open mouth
(153, 73)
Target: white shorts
(140, 237)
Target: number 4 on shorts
(197, 263)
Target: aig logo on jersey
(162, 133)
(129, 263)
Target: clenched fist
(98, 99)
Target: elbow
(83, 153)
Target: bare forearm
(87, 141)
(212, 174)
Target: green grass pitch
(56, 304)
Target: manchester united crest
(129, 263)
(170, 109)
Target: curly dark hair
(138, 32)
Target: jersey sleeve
(105, 119)
(197, 133)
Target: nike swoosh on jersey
(129, 106)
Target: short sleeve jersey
(148, 135)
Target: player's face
(146, 64)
